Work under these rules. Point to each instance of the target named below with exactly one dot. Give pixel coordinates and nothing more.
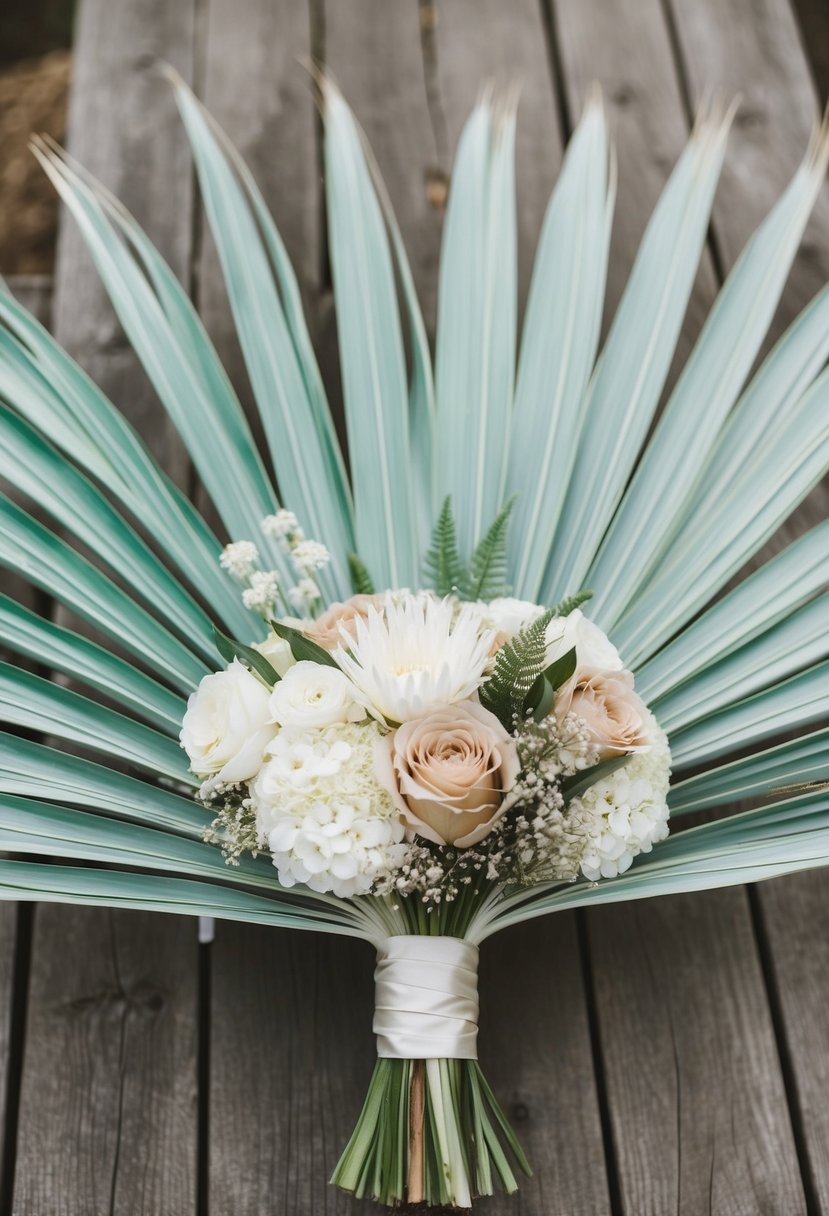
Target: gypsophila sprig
(239, 558)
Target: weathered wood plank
(536, 1053)
(108, 1098)
(795, 917)
(697, 1099)
(9, 947)
(755, 49)
(290, 1061)
(672, 995)
(108, 1101)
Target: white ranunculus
(278, 653)
(312, 696)
(594, 650)
(227, 726)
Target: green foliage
(361, 583)
(573, 602)
(518, 664)
(487, 577)
(442, 564)
(302, 648)
(252, 659)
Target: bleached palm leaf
(567, 437)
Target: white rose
(278, 653)
(227, 727)
(594, 650)
(313, 695)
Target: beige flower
(615, 716)
(325, 630)
(448, 772)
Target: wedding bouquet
(458, 701)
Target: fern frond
(572, 602)
(442, 564)
(518, 664)
(361, 582)
(487, 577)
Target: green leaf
(361, 583)
(540, 699)
(575, 786)
(302, 648)
(442, 563)
(487, 575)
(518, 664)
(256, 662)
(559, 672)
(572, 602)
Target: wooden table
(670, 1056)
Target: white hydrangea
(281, 525)
(321, 811)
(261, 595)
(239, 558)
(621, 815)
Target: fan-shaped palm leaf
(659, 527)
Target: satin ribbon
(426, 998)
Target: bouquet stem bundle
(430, 1131)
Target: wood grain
(108, 1100)
(108, 1096)
(697, 1099)
(290, 1060)
(795, 917)
(8, 1065)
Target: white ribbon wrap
(426, 998)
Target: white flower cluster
(394, 762)
(321, 811)
(623, 814)
(262, 589)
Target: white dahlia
(415, 656)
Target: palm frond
(558, 346)
(475, 352)
(299, 429)
(47, 561)
(801, 701)
(37, 704)
(780, 839)
(23, 880)
(25, 633)
(371, 356)
(33, 770)
(43, 385)
(709, 385)
(169, 339)
(630, 375)
(788, 766)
